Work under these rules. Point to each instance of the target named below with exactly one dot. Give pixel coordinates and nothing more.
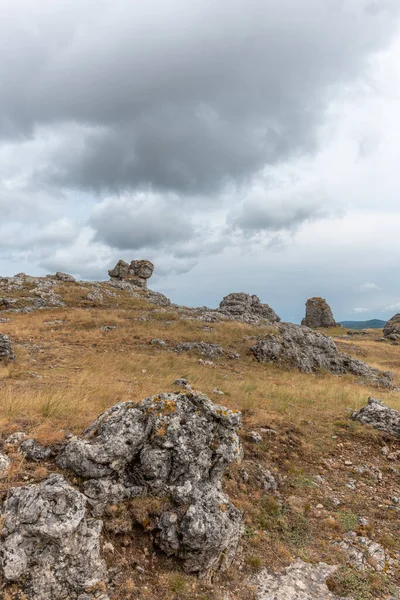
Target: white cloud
(361, 310)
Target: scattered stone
(16, 438)
(299, 581)
(4, 320)
(95, 296)
(246, 308)
(49, 545)
(108, 327)
(379, 416)
(255, 437)
(175, 445)
(6, 349)
(318, 314)
(157, 342)
(364, 553)
(34, 451)
(204, 348)
(207, 363)
(64, 277)
(391, 330)
(218, 392)
(299, 347)
(5, 464)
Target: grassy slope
(67, 373)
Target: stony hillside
(228, 461)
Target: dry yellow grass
(67, 373)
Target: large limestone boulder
(175, 445)
(246, 308)
(300, 347)
(318, 314)
(6, 349)
(380, 416)
(136, 272)
(392, 328)
(50, 547)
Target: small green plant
(347, 520)
(177, 584)
(360, 585)
(254, 562)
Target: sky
(239, 145)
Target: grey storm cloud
(176, 95)
(139, 222)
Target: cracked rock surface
(246, 308)
(49, 545)
(380, 416)
(176, 445)
(300, 347)
(299, 581)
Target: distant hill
(371, 324)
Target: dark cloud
(131, 223)
(181, 96)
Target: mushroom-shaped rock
(135, 273)
(379, 416)
(300, 347)
(6, 349)
(49, 545)
(392, 328)
(318, 314)
(249, 309)
(176, 445)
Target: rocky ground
(318, 491)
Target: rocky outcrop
(299, 581)
(391, 330)
(299, 347)
(50, 546)
(380, 416)
(174, 445)
(6, 349)
(64, 277)
(246, 308)
(137, 272)
(318, 314)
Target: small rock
(5, 464)
(34, 451)
(255, 437)
(157, 342)
(16, 438)
(218, 392)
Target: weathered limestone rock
(380, 416)
(34, 451)
(392, 328)
(246, 308)
(318, 314)
(176, 445)
(204, 348)
(299, 581)
(137, 272)
(49, 545)
(5, 464)
(300, 347)
(64, 276)
(6, 350)
(364, 553)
